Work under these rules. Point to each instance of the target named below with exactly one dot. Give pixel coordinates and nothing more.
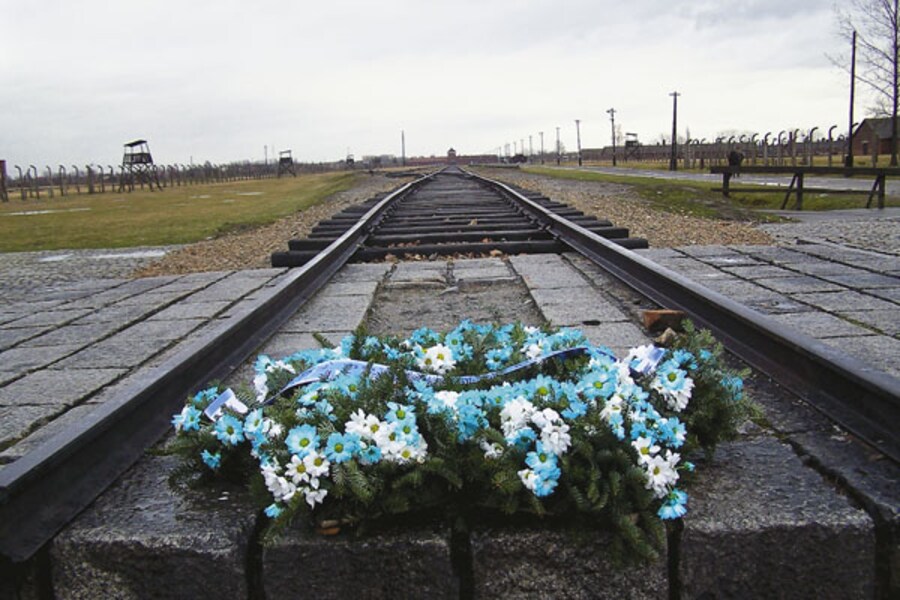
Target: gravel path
(624, 208)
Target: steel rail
(860, 398)
(47, 487)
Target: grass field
(697, 198)
(177, 215)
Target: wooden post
(799, 191)
(4, 195)
(726, 179)
(790, 190)
(877, 188)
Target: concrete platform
(843, 297)
(808, 499)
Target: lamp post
(612, 119)
(578, 138)
(849, 159)
(557, 145)
(673, 162)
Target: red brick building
(872, 133)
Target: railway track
(446, 213)
(451, 213)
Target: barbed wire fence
(47, 182)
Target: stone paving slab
(794, 285)
(116, 352)
(865, 280)
(52, 318)
(820, 325)
(575, 307)
(891, 294)
(546, 564)
(759, 271)
(618, 337)
(284, 344)
(16, 422)
(72, 334)
(886, 321)
(331, 313)
(480, 269)
(880, 351)
(26, 359)
(762, 526)
(57, 387)
(192, 310)
(844, 301)
(142, 539)
(419, 272)
(11, 337)
(361, 272)
(405, 564)
(40, 435)
(543, 271)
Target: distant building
(872, 132)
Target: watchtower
(632, 146)
(285, 163)
(138, 167)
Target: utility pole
(542, 147)
(673, 161)
(895, 25)
(612, 118)
(403, 147)
(849, 162)
(578, 138)
(530, 149)
(266, 154)
(557, 145)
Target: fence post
(35, 182)
(62, 180)
(77, 180)
(4, 195)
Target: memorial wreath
(482, 419)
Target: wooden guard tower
(285, 163)
(138, 167)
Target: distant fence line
(32, 182)
(786, 150)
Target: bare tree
(877, 25)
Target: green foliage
(718, 406)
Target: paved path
(892, 186)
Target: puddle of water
(200, 197)
(55, 258)
(135, 254)
(250, 193)
(27, 213)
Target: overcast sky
(222, 80)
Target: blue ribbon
(330, 369)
